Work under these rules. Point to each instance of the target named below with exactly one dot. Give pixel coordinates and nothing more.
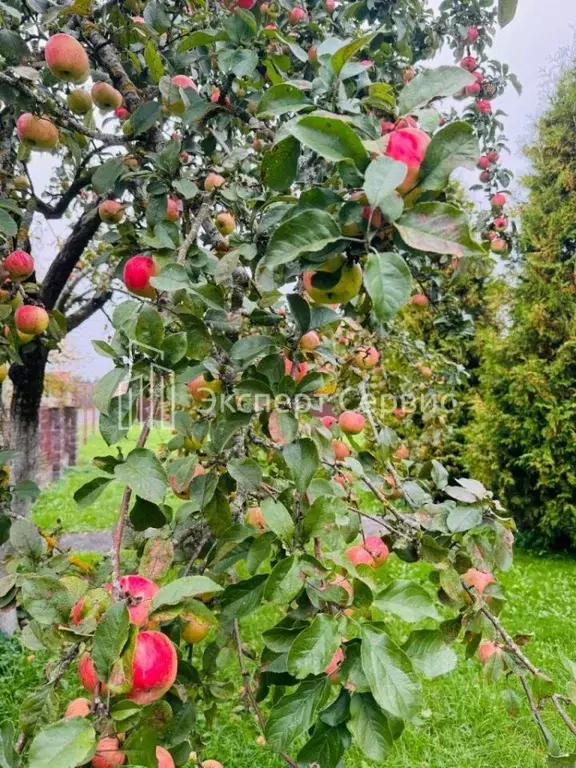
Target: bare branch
(62, 266)
(88, 309)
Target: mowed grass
(464, 724)
(56, 503)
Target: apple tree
(260, 177)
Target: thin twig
(536, 714)
(203, 212)
(563, 714)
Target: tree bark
(28, 381)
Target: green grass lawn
(57, 503)
(465, 724)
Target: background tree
(523, 437)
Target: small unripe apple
(200, 389)
(499, 245)
(37, 132)
(31, 320)
(478, 579)
(484, 106)
(297, 16)
(106, 97)
(499, 200)
(214, 181)
(486, 650)
(296, 370)
(137, 273)
(377, 549)
(469, 63)
(366, 358)
(21, 182)
(255, 518)
(195, 629)
(359, 556)
(108, 754)
(309, 341)
(341, 450)
(66, 58)
(111, 211)
(173, 208)
(121, 113)
(78, 708)
(3, 372)
(19, 265)
(351, 422)
(472, 35)
(419, 299)
(79, 101)
(225, 223)
(402, 453)
(328, 421)
(164, 758)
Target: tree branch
(65, 261)
(88, 309)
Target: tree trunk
(28, 380)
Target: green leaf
(143, 472)
(241, 61)
(280, 164)
(9, 758)
(345, 53)
(388, 281)
(382, 177)
(182, 589)
(305, 232)
(506, 11)
(325, 749)
(303, 461)
(110, 638)
(66, 744)
(314, 648)
(46, 599)
(88, 493)
(241, 599)
(105, 389)
(280, 99)
(149, 331)
(389, 673)
(153, 61)
(12, 47)
(462, 519)
(439, 228)
(26, 539)
(373, 730)
(249, 349)
(454, 146)
(278, 519)
(7, 224)
(429, 653)
(285, 582)
(246, 472)
(107, 175)
(294, 713)
(145, 514)
(433, 84)
(330, 137)
(408, 600)
(145, 117)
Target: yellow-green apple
(79, 101)
(111, 211)
(106, 97)
(195, 629)
(37, 132)
(225, 223)
(345, 289)
(200, 389)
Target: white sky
(532, 45)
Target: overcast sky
(532, 45)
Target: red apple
(19, 265)
(37, 132)
(341, 450)
(78, 708)
(366, 357)
(30, 320)
(478, 579)
(66, 58)
(108, 754)
(137, 273)
(351, 422)
(111, 211)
